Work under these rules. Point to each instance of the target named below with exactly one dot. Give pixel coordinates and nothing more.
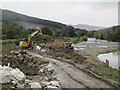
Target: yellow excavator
(27, 43)
(65, 45)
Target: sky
(101, 13)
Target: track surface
(71, 77)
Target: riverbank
(94, 64)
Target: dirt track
(71, 77)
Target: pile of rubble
(24, 68)
(18, 79)
(25, 62)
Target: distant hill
(28, 21)
(101, 31)
(87, 27)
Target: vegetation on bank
(108, 72)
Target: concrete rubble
(16, 64)
(8, 71)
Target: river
(93, 42)
(113, 59)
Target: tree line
(15, 31)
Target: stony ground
(85, 60)
(34, 67)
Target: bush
(83, 38)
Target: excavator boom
(28, 42)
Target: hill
(105, 30)
(28, 21)
(87, 27)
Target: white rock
(6, 72)
(45, 83)
(43, 50)
(27, 81)
(46, 78)
(18, 74)
(35, 85)
(51, 87)
(41, 70)
(38, 48)
(55, 83)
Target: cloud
(94, 13)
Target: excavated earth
(73, 69)
(77, 68)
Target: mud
(26, 63)
(71, 77)
(74, 69)
(87, 60)
(63, 53)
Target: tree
(83, 32)
(47, 30)
(83, 38)
(78, 33)
(114, 35)
(71, 31)
(90, 33)
(97, 35)
(58, 33)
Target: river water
(93, 42)
(113, 59)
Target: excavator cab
(69, 45)
(25, 44)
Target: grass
(108, 72)
(71, 39)
(52, 38)
(8, 41)
(7, 85)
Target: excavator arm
(55, 41)
(33, 34)
(67, 45)
(27, 43)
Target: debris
(51, 84)
(43, 50)
(35, 85)
(55, 83)
(18, 74)
(46, 78)
(38, 48)
(41, 70)
(51, 87)
(6, 72)
(14, 52)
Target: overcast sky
(69, 12)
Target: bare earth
(68, 73)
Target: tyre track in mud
(71, 77)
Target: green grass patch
(71, 39)
(108, 72)
(7, 85)
(10, 41)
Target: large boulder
(18, 74)
(6, 72)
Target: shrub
(83, 38)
